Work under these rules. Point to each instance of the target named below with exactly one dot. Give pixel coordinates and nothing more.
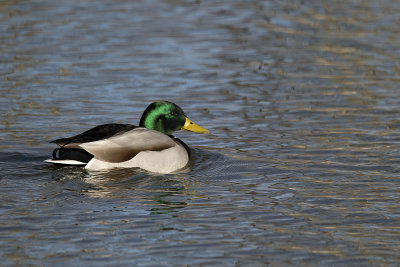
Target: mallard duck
(150, 146)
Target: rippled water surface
(302, 164)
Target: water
(302, 100)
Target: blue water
(300, 168)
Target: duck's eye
(173, 113)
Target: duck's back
(100, 132)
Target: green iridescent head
(167, 117)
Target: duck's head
(167, 117)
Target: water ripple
(300, 168)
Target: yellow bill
(193, 127)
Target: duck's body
(149, 146)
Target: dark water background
(302, 99)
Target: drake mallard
(150, 146)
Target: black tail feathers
(81, 155)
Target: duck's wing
(125, 146)
(97, 133)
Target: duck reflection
(162, 193)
